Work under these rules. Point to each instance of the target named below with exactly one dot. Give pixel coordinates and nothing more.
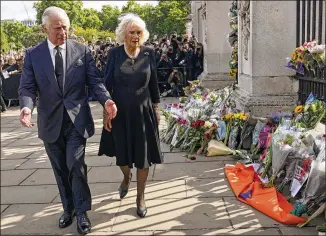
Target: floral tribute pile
(284, 146)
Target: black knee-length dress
(134, 138)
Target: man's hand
(26, 117)
(111, 109)
(106, 121)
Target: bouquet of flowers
(307, 57)
(309, 115)
(238, 120)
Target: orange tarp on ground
(246, 185)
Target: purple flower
(290, 65)
(300, 68)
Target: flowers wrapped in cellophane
(309, 115)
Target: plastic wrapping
(316, 184)
(216, 148)
(233, 139)
(255, 135)
(220, 130)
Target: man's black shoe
(83, 223)
(66, 219)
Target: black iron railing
(311, 25)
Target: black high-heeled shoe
(141, 212)
(124, 191)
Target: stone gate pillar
(217, 51)
(267, 35)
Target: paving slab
(225, 231)
(31, 140)
(11, 164)
(42, 177)
(99, 161)
(28, 194)
(201, 158)
(170, 157)
(94, 139)
(211, 188)
(298, 231)
(4, 207)
(92, 149)
(8, 125)
(40, 153)
(14, 135)
(24, 129)
(36, 163)
(108, 174)
(14, 177)
(6, 142)
(166, 148)
(169, 214)
(42, 219)
(187, 170)
(154, 190)
(127, 233)
(244, 216)
(9, 153)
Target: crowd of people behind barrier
(179, 59)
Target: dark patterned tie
(59, 68)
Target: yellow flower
(298, 109)
(236, 116)
(244, 117)
(294, 55)
(228, 116)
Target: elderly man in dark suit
(57, 71)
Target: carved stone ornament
(244, 15)
(204, 10)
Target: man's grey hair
(55, 11)
(127, 19)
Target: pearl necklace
(132, 57)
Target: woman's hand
(106, 121)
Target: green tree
(15, 32)
(91, 19)
(109, 17)
(4, 41)
(132, 7)
(74, 10)
(171, 16)
(33, 36)
(87, 34)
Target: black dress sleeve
(109, 70)
(153, 84)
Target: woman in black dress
(132, 136)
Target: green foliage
(87, 34)
(109, 17)
(171, 16)
(33, 36)
(15, 32)
(74, 10)
(4, 42)
(91, 19)
(162, 19)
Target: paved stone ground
(183, 198)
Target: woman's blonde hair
(125, 20)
